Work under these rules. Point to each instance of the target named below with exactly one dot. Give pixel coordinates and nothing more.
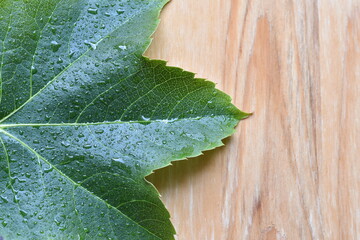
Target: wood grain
(292, 170)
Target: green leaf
(85, 117)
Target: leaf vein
(37, 44)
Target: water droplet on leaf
(33, 70)
(122, 47)
(92, 45)
(55, 46)
(92, 10)
(65, 144)
(87, 146)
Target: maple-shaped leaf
(85, 117)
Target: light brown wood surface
(292, 170)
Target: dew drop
(92, 45)
(33, 70)
(55, 46)
(47, 170)
(71, 54)
(137, 166)
(99, 131)
(57, 222)
(122, 47)
(211, 104)
(92, 10)
(145, 118)
(16, 199)
(4, 199)
(87, 146)
(23, 213)
(65, 144)
(118, 160)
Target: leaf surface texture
(85, 117)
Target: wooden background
(292, 170)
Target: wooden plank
(292, 170)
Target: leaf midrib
(76, 185)
(165, 121)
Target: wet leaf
(85, 117)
